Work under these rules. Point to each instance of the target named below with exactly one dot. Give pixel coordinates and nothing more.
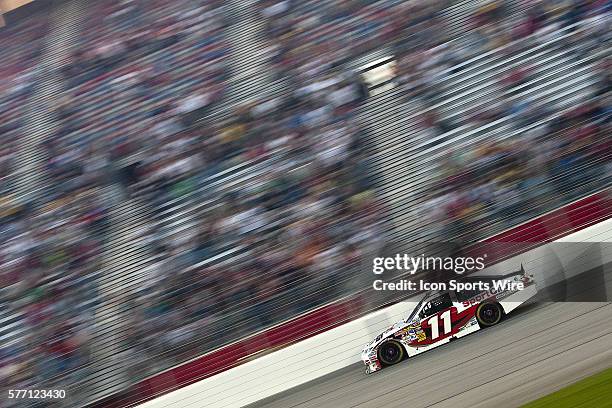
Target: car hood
(385, 334)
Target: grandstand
(178, 175)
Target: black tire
(489, 314)
(391, 352)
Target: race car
(443, 316)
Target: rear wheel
(391, 352)
(489, 314)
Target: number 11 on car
(433, 323)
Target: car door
(440, 319)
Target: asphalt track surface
(540, 348)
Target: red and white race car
(444, 316)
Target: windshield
(416, 308)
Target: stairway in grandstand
(406, 161)
(39, 122)
(251, 73)
(125, 267)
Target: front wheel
(391, 352)
(489, 314)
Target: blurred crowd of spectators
(142, 75)
(144, 71)
(50, 264)
(51, 251)
(502, 183)
(311, 210)
(425, 59)
(120, 32)
(556, 153)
